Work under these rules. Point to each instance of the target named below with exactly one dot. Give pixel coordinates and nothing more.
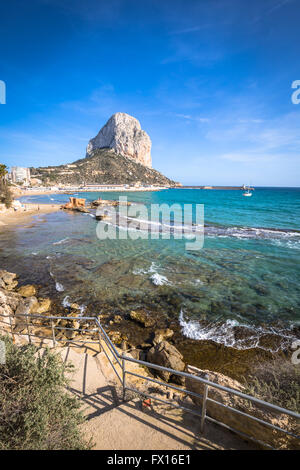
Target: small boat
(247, 191)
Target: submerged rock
(142, 317)
(27, 291)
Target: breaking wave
(225, 333)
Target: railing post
(28, 330)
(11, 329)
(124, 376)
(53, 333)
(203, 414)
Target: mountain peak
(123, 133)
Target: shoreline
(11, 217)
(18, 194)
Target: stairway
(116, 425)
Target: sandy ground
(11, 217)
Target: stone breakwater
(17, 301)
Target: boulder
(165, 354)
(6, 317)
(11, 286)
(27, 291)
(123, 134)
(12, 299)
(117, 337)
(6, 277)
(27, 306)
(162, 334)
(117, 319)
(142, 317)
(43, 306)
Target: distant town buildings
(20, 175)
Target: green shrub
(277, 382)
(36, 411)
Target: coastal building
(20, 175)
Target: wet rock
(117, 337)
(11, 286)
(162, 334)
(165, 354)
(142, 317)
(102, 217)
(75, 306)
(117, 319)
(43, 306)
(27, 291)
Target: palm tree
(3, 172)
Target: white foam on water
(159, 280)
(224, 334)
(61, 241)
(65, 302)
(156, 278)
(59, 287)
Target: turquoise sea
(242, 289)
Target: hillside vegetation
(104, 166)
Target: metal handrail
(121, 360)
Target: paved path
(116, 425)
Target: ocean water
(242, 289)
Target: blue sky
(209, 80)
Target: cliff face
(119, 154)
(123, 134)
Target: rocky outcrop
(75, 204)
(165, 354)
(237, 421)
(107, 202)
(123, 134)
(27, 291)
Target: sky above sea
(210, 81)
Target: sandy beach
(10, 217)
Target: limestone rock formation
(123, 133)
(75, 204)
(165, 354)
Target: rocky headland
(119, 154)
